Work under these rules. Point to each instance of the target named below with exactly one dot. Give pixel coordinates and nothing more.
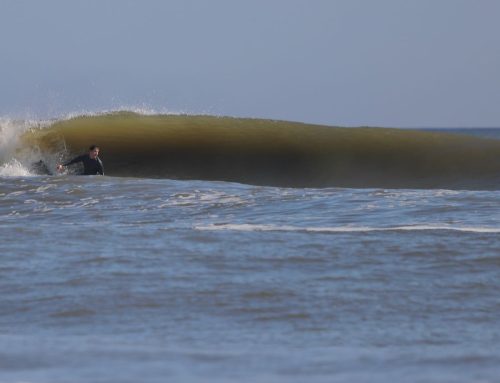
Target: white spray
(14, 161)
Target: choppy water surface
(106, 279)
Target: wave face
(275, 153)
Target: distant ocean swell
(262, 152)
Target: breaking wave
(263, 152)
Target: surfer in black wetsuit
(92, 164)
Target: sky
(398, 63)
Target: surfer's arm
(73, 161)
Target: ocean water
(155, 279)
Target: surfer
(92, 164)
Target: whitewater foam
(16, 159)
(10, 131)
(14, 168)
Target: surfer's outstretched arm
(60, 167)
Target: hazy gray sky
(338, 62)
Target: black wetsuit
(90, 166)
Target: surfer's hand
(60, 167)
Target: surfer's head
(93, 151)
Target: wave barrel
(276, 153)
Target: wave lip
(273, 153)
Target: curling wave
(267, 152)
